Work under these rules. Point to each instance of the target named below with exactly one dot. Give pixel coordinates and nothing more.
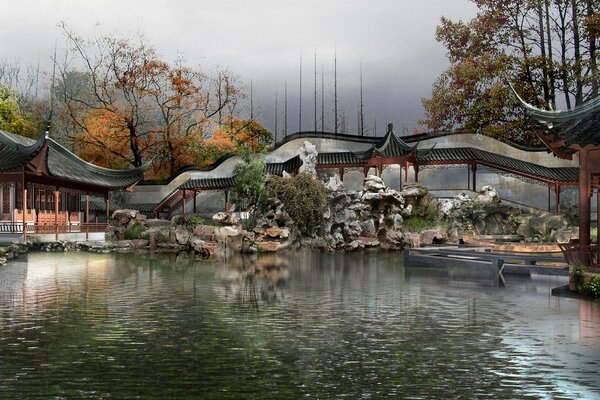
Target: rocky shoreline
(378, 218)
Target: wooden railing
(580, 255)
(17, 227)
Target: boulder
(413, 239)
(445, 206)
(335, 184)
(487, 195)
(373, 184)
(225, 219)
(182, 234)
(368, 228)
(414, 190)
(308, 154)
(431, 236)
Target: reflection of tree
(252, 280)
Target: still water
(313, 325)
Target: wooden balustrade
(581, 255)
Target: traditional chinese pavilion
(572, 132)
(45, 188)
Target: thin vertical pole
(335, 98)
(322, 100)
(548, 198)
(300, 105)
(285, 111)
(183, 203)
(400, 176)
(107, 203)
(474, 168)
(315, 91)
(24, 210)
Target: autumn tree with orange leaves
(128, 106)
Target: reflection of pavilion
(576, 132)
(44, 188)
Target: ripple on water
(306, 325)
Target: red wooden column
(226, 200)
(195, 194)
(24, 209)
(400, 175)
(416, 173)
(56, 195)
(584, 204)
(557, 194)
(107, 203)
(183, 203)
(342, 174)
(87, 208)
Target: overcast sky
(262, 40)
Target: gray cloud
(393, 39)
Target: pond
(304, 324)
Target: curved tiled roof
(209, 183)
(580, 126)
(392, 146)
(288, 166)
(465, 154)
(16, 150)
(65, 165)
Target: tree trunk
(592, 44)
(542, 42)
(134, 146)
(551, 76)
(577, 49)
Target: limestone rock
(368, 228)
(487, 195)
(412, 239)
(335, 183)
(182, 234)
(308, 154)
(225, 219)
(431, 236)
(373, 184)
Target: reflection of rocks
(253, 280)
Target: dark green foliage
(191, 221)
(249, 181)
(303, 197)
(135, 231)
(593, 288)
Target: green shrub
(135, 231)
(578, 273)
(593, 288)
(417, 224)
(191, 221)
(249, 181)
(303, 197)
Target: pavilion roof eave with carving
(60, 163)
(566, 131)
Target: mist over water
(304, 324)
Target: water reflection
(250, 280)
(299, 325)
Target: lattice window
(6, 199)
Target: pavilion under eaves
(572, 132)
(42, 185)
